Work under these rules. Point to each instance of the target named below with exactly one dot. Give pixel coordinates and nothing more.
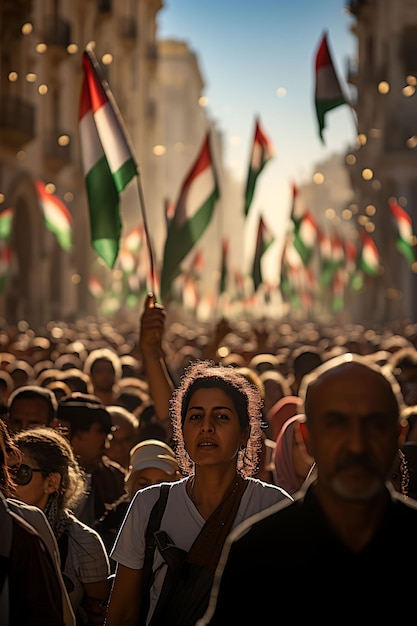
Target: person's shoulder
(81, 532)
(268, 490)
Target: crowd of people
(146, 469)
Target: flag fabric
(95, 287)
(305, 237)
(262, 152)
(6, 223)
(108, 161)
(264, 239)
(328, 92)
(369, 260)
(57, 217)
(193, 212)
(404, 243)
(5, 263)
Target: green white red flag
(6, 223)
(58, 218)
(193, 212)
(264, 239)
(305, 238)
(403, 223)
(108, 161)
(262, 152)
(369, 259)
(328, 92)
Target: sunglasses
(23, 474)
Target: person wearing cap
(87, 424)
(151, 462)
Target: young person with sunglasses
(50, 478)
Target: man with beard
(329, 555)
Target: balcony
(17, 122)
(56, 156)
(57, 36)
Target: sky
(246, 52)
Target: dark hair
(34, 392)
(81, 410)
(246, 400)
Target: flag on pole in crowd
(328, 92)
(193, 212)
(403, 223)
(108, 161)
(262, 152)
(6, 223)
(58, 219)
(369, 259)
(264, 239)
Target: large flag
(6, 222)
(404, 228)
(193, 213)
(108, 161)
(262, 152)
(57, 217)
(264, 239)
(328, 92)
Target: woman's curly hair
(52, 452)
(247, 402)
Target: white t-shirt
(181, 521)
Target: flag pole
(148, 239)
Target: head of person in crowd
(352, 410)
(6, 388)
(292, 463)
(21, 372)
(88, 426)
(276, 386)
(76, 379)
(151, 462)
(283, 409)
(239, 419)
(304, 360)
(104, 370)
(49, 475)
(403, 364)
(30, 405)
(125, 434)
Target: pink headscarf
(282, 410)
(283, 471)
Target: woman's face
(37, 491)
(212, 433)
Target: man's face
(90, 445)
(28, 412)
(102, 375)
(352, 431)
